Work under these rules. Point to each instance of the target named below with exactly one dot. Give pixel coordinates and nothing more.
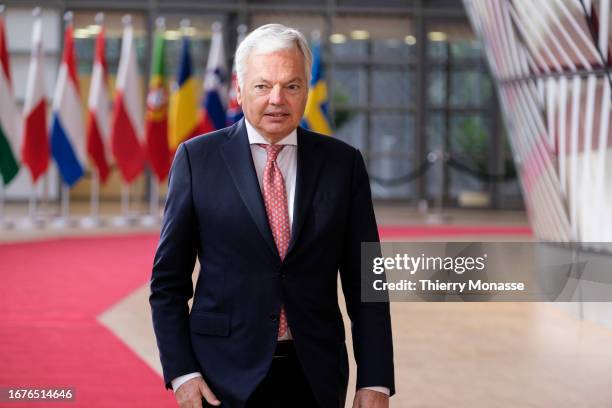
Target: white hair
(270, 38)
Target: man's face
(274, 93)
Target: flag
(157, 113)
(35, 149)
(98, 112)
(67, 129)
(9, 116)
(215, 85)
(183, 112)
(128, 122)
(316, 115)
(234, 110)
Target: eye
(293, 87)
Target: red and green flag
(9, 116)
(156, 131)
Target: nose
(276, 95)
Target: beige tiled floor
(447, 354)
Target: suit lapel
(309, 164)
(237, 155)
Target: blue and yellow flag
(316, 115)
(183, 112)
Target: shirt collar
(256, 138)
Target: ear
(238, 93)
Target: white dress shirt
(287, 163)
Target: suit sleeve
(171, 282)
(370, 321)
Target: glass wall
(371, 62)
(463, 122)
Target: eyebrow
(296, 79)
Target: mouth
(276, 114)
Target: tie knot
(272, 149)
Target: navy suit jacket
(215, 212)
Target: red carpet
(389, 232)
(53, 290)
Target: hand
(370, 399)
(189, 394)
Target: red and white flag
(98, 112)
(35, 148)
(127, 134)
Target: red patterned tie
(277, 209)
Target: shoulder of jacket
(207, 142)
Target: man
(272, 212)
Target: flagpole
(95, 180)
(35, 148)
(93, 220)
(156, 114)
(65, 200)
(126, 20)
(68, 17)
(123, 220)
(32, 206)
(34, 217)
(31, 221)
(2, 222)
(125, 199)
(44, 199)
(95, 194)
(152, 218)
(63, 220)
(154, 198)
(41, 202)
(128, 129)
(36, 13)
(154, 204)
